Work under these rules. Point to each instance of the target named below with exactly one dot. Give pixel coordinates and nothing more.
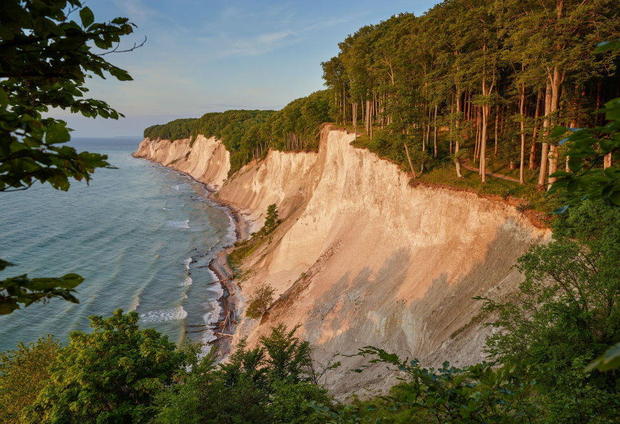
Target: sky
(213, 55)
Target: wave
(187, 282)
(164, 315)
(135, 302)
(179, 224)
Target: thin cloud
(262, 43)
(137, 10)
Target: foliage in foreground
(48, 49)
(23, 374)
(110, 375)
(272, 383)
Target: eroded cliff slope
(362, 258)
(204, 159)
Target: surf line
(224, 328)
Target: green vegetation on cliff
(249, 134)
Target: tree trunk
(435, 147)
(607, 161)
(532, 162)
(556, 84)
(544, 154)
(556, 78)
(457, 161)
(409, 160)
(496, 131)
(483, 143)
(522, 158)
(478, 132)
(486, 109)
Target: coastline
(225, 327)
(229, 318)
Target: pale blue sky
(213, 55)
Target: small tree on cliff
(260, 302)
(272, 220)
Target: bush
(23, 373)
(272, 383)
(260, 302)
(109, 375)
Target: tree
(565, 315)
(46, 56)
(110, 375)
(23, 373)
(271, 383)
(589, 147)
(271, 220)
(260, 302)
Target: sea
(141, 235)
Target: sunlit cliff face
(361, 257)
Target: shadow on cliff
(444, 324)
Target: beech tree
(455, 77)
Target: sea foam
(163, 315)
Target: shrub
(23, 373)
(260, 302)
(109, 375)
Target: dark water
(142, 236)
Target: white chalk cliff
(362, 257)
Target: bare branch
(116, 50)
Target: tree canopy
(249, 134)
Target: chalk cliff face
(362, 258)
(204, 159)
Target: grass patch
(245, 248)
(534, 198)
(242, 250)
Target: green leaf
(87, 17)
(612, 110)
(606, 46)
(614, 197)
(57, 133)
(120, 74)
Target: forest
(473, 85)
(249, 134)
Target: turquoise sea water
(142, 235)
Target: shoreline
(224, 328)
(229, 301)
